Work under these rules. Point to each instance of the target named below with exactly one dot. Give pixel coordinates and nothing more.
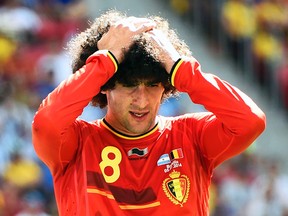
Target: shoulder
(187, 119)
(83, 125)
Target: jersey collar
(125, 136)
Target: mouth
(138, 115)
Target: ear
(104, 91)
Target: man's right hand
(167, 53)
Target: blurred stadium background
(243, 41)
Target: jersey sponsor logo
(176, 188)
(138, 152)
(168, 158)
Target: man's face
(132, 109)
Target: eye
(153, 84)
(129, 85)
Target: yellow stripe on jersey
(175, 70)
(124, 207)
(130, 207)
(114, 60)
(103, 193)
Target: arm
(53, 134)
(235, 120)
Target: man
(133, 162)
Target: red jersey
(166, 171)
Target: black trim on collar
(125, 135)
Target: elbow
(36, 124)
(263, 121)
(257, 123)
(39, 122)
(43, 129)
(39, 126)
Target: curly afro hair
(140, 61)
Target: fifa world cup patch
(177, 188)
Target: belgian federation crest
(177, 188)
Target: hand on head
(167, 54)
(121, 35)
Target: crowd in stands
(33, 60)
(252, 33)
(33, 35)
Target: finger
(157, 36)
(132, 21)
(147, 26)
(140, 24)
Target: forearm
(228, 103)
(68, 100)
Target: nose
(140, 97)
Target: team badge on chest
(177, 188)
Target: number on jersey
(112, 162)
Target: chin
(138, 131)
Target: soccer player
(133, 161)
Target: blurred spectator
(7, 49)
(15, 125)
(46, 188)
(180, 6)
(213, 199)
(1, 196)
(54, 65)
(269, 193)
(283, 82)
(11, 199)
(32, 204)
(233, 182)
(21, 71)
(45, 84)
(17, 20)
(33, 60)
(252, 33)
(267, 43)
(282, 71)
(60, 21)
(21, 172)
(267, 53)
(273, 14)
(239, 23)
(208, 24)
